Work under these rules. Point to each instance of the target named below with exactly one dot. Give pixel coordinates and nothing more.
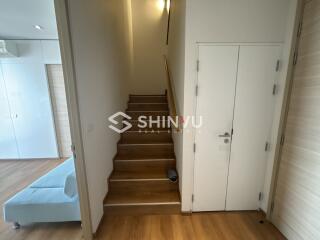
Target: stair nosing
(139, 95)
(138, 179)
(151, 103)
(148, 131)
(148, 111)
(145, 144)
(144, 160)
(141, 204)
(142, 157)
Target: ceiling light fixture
(38, 27)
(168, 5)
(161, 4)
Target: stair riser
(144, 166)
(146, 149)
(150, 115)
(142, 210)
(148, 107)
(151, 137)
(146, 186)
(134, 99)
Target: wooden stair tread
(143, 185)
(131, 210)
(147, 103)
(149, 129)
(143, 156)
(138, 140)
(140, 197)
(121, 175)
(147, 111)
(147, 95)
(146, 137)
(134, 106)
(148, 99)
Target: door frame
(285, 106)
(65, 40)
(52, 110)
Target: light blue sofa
(51, 198)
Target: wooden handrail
(170, 93)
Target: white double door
(26, 122)
(236, 104)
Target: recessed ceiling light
(38, 27)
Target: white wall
(96, 30)
(223, 21)
(149, 25)
(176, 60)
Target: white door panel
(254, 107)
(216, 79)
(8, 145)
(28, 95)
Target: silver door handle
(226, 135)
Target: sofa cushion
(55, 178)
(41, 205)
(70, 187)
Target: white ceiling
(18, 17)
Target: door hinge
(295, 58)
(194, 147)
(278, 66)
(272, 207)
(192, 198)
(267, 147)
(198, 65)
(274, 89)
(73, 149)
(299, 29)
(260, 196)
(282, 139)
(197, 90)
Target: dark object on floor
(16, 226)
(172, 175)
(261, 222)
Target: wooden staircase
(139, 183)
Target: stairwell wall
(102, 58)
(176, 61)
(149, 25)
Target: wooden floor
(14, 176)
(211, 226)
